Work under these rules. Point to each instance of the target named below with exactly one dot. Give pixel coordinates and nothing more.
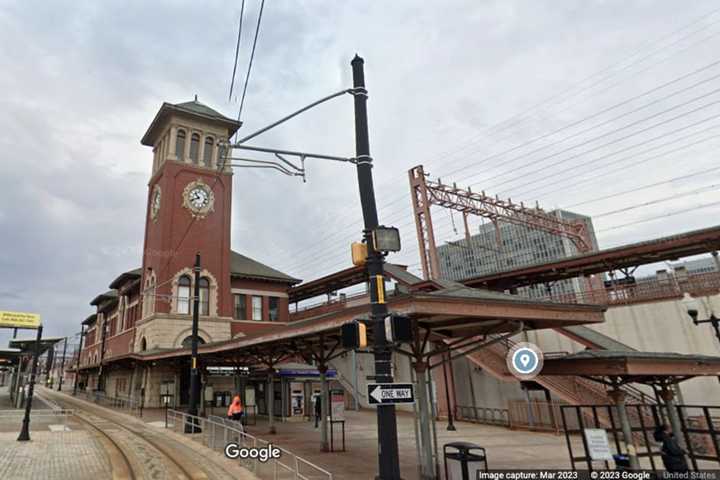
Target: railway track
(135, 452)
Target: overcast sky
(495, 95)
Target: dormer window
(195, 148)
(208, 152)
(180, 145)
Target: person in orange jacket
(235, 410)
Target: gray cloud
(81, 82)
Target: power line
(671, 214)
(644, 187)
(237, 50)
(252, 57)
(656, 201)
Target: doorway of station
(700, 436)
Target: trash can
(622, 462)
(462, 458)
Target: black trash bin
(622, 462)
(461, 458)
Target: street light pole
(388, 460)
(25, 432)
(194, 378)
(62, 366)
(77, 362)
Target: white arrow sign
(390, 393)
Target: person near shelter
(235, 410)
(673, 456)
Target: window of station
(273, 308)
(208, 152)
(240, 307)
(183, 300)
(257, 308)
(204, 296)
(195, 148)
(187, 342)
(180, 145)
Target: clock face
(155, 205)
(198, 198)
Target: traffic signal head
(354, 335)
(359, 253)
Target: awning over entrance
(633, 366)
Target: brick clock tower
(188, 211)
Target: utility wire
(670, 214)
(656, 201)
(237, 50)
(252, 57)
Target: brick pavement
(52, 456)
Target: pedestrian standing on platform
(318, 409)
(235, 410)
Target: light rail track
(133, 453)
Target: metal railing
(484, 415)
(217, 435)
(132, 406)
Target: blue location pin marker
(525, 360)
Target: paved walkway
(506, 449)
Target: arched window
(187, 342)
(195, 148)
(183, 298)
(208, 152)
(204, 296)
(143, 344)
(180, 145)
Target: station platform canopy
(661, 249)
(27, 345)
(9, 356)
(452, 312)
(633, 366)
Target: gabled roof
(125, 277)
(109, 295)
(192, 108)
(244, 267)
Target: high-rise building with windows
(511, 246)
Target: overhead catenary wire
(237, 50)
(252, 57)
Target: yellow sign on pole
(19, 320)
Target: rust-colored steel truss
(425, 193)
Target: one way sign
(390, 393)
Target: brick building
(148, 309)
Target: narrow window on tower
(273, 308)
(240, 307)
(183, 298)
(204, 296)
(257, 308)
(208, 152)
(180, 145)
(195, 148)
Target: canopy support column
(618, 397)
(427, 470)
(669, 398)
(271, 401)
(324, 400)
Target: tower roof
(192, 108)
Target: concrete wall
(655, 327)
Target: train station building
(257, 341)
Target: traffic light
(359, 253)
(398, 328)
(354, 335)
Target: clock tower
(188, 212)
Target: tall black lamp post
(192, 426)
(25, 431)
